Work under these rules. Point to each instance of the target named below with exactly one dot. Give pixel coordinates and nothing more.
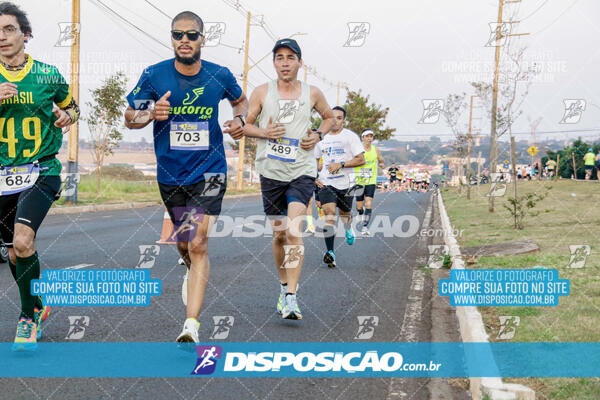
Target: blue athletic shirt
(195, 100)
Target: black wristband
(320, 134)
(241, 117)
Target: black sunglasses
(192, 35)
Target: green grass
(570, 215)
(118, 190)
(114, 190)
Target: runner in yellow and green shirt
(367, 180)
(589, 160)
(35, 106)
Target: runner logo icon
(207, 359)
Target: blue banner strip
(298, 359)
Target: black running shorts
(341, 198)
(363, 191)
(277, 195)
(28, 207)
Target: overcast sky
(413, 50)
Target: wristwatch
(320, 134)
(342, 164)
(241, 117)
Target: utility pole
(469, 139)
(242, 142)
(493, 144)
(73, 139)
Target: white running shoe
(281, 300)
(184, 287)
(290, 308)
(189, 334)
(181, 261)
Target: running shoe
(188, 337)
(26, 337)
(281, 300)
(181, 261)
(329, 259)
(350, 236)
(40, 316)
(310, 228)
(365, 232)
(184, 287)
(290, 308)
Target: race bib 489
(283, 149)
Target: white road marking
(79, 266)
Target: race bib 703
(189, 135)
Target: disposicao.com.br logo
(305, 362)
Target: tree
(454, 106)
(512, 91)
(105, 119)
(361, 115)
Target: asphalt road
(373, 278)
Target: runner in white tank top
(279, 117)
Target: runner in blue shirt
(181, 97)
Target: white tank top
(283, 159)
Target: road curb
(473, 330)
(61, 210)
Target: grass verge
(118, 190)
(568, 216)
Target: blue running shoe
(350, 236)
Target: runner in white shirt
(341, 150)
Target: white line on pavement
(79, 266)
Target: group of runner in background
(409, 180)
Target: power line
(259, 68)
(244, 12)
(158, 9)
(557, 18)
(535, 11)
(239, 7)
(113, 17)
(131, 24)
(231, 47)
